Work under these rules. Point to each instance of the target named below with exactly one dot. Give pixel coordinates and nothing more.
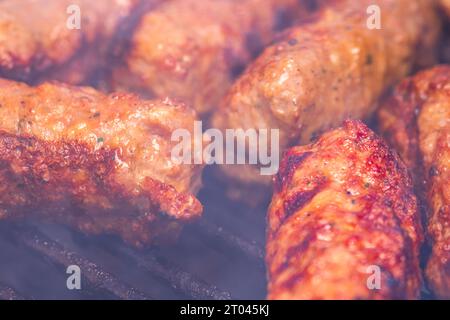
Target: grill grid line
(95, 275)
(247, 248)
(178, 279)
(181, 281)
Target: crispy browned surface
(99, 163)
(192, 49)
(416, 121)
(341, 205)
(35, 41)
(321, 73)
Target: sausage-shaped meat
(415, 120)
(100, 163)
(318, 74)
(343, 207)
(36, 41)
(193, 49)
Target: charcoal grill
(219, 257)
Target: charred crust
(56, 155)
(385, 209)
(300, 199)
(292, 160)
(295, 251)
(83, 180)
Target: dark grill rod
(249, 249)
(179, 280)
(96, 276)
(7, 293)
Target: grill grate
(180, 280)
(214, 259)
(249, 249)
(96, 276)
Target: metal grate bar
(179, 280)
(96, 276)
(249, 249)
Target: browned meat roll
(102, 164)
(39, 39)
(343, 211)
(193, 49)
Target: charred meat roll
(65, 40)
(416, 121)
(101, 164)
(193, 49)
(343, 213)
(320, 73)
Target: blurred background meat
(416, 121)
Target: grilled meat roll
(100, 163)
(318, 74)
(193, 49)
(416, 121)
(36, 41)
(343, 206)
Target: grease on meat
(99, 163)
(340, 206)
